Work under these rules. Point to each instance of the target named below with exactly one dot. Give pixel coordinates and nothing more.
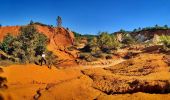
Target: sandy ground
(25, 80)
(32, 82)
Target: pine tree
(31, 22)
(59, 21)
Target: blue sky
(87, 16)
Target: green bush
(128, 39)
(165, 40)
(99, 55)
(84, 55)
(104, 42)
(99, 47)
(26, 46)
(6, 43)
(30, 43)
(51, 59)
(87, 57)
(109, 56)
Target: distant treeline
(38, 23)
(156, 27)
(88, 36)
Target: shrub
(100, 45)
(90, 58)
(3, 81)
(127, 39)
(5, 63)
(165, 40)
(71, 48)
(51, 59)
(27, 46)
(109, 57)
(84, 55)
(99, 54)
(6, 43)
(87, 57)
(104, 42)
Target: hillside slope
(59, 37)
(150, 33)
(14, 30)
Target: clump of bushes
(38, 23)
(26, 47)
(128, 40)
(100, 46)
(152, 28)
(104, 42)
(87, 57)
(51, 59)
(165, 40)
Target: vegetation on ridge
(26, 47)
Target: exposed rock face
(58, 36)
(146, 35)
(61, 36)
(151, 34)
(119, 37)
(14, 30)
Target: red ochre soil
(144, 77)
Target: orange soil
(14, 30)
(30, 81)
(25, 80)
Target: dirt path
(101, 64)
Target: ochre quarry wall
(59, 35)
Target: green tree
(165, 40)
(128, 39)
(31, 22)
(166, 26)
(122, 31)
(6, 43)
(94, 47)
(139, 29)
(59, 21)
(135, 30)
(157, 26)
(107, 41)
(29, 43)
